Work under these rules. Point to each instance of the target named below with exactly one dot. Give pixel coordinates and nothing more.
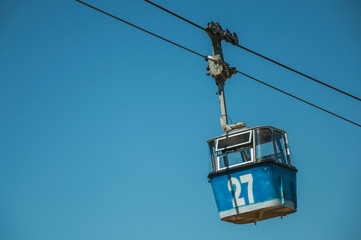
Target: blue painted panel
(252, 185)
(288, 180)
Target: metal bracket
(216, 30)
(220, 70)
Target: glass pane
(231, 158)
(264, 145)
(288, 152)
(234, 141)
(280, 147)
(222, 161)
(211, 165)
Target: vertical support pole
(222, 102)
(221, 71)
(217, 48)
(218, 66)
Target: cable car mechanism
(252, 177)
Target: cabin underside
(259, 215)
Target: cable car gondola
(252, 175)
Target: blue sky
(104, 128)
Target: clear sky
(103, 128)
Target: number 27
(237, 201)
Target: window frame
(285, 148)
(228, 147)
(271, 130)
(249, 142)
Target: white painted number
(237, 192)
(248, 178)
(237, 201)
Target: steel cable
(142, 29)
(205, 57)
(257, 54)
(293, 96)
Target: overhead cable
(257, 54)
(142, 29)
(174, 14)
(205, 57)
(304, 101)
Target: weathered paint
(271, 186)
